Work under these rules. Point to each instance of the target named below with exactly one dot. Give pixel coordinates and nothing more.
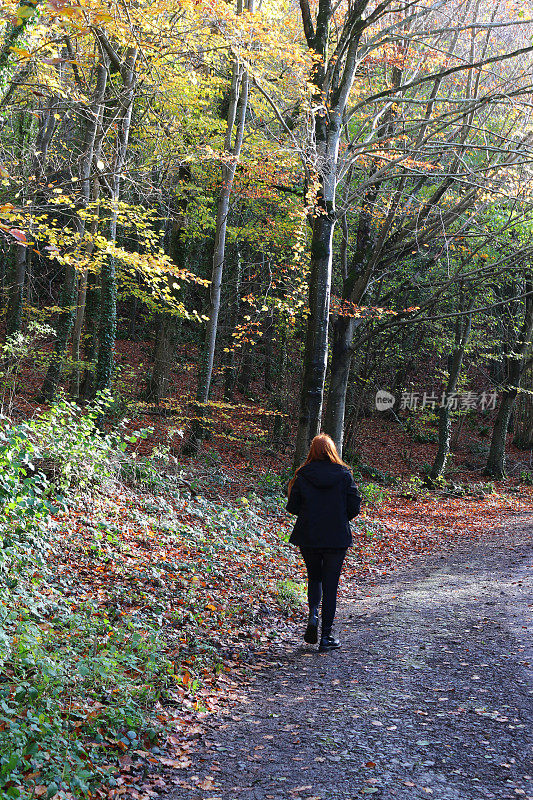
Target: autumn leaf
(19, 235)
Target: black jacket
(324, 497)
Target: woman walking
(324, 497)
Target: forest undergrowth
(137, 594)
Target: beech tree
(236, 118)
(416, 158)
(332, 79)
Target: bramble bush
(24, 509)
(53, 661)
(76, 453)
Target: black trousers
(323, 572)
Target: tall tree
(410, 189)
(47, 124)
(108, 277)
(332, 80)
(237, 109)
(166, 325)
(90, 118)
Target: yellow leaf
(19, 50)
(24, 12)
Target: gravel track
(431, 694)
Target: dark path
(431, 695)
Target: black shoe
(328, 643)
(311, 632)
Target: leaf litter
(196, 591)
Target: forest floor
(429, 696)
(167, 661)
(162, 633)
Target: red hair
(322, 448)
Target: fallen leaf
(176, 763)
(207, 783)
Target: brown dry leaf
(176, 763)
(195, 730)
(207, 783)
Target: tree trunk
(90, 350)
(47, 126)
(341, 358)
(219, 250)
(245, 375)
(236, 119)
(267, 343)
(80, 309)
(445, 424)
(523, 437)
(107, 327)
(167, 325)
(208, 356)
(495, 467)
(330, 99)
(344, 327)
(163, 355)
(230, 376)
(68, 292)
(76, 335)
(108, 279)
(63, 327)
(281, 397)
(16, 278)
(316, 343)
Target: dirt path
(431, 694)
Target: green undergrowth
(120, 606)
(70, 698)
(291, 594)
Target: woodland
(224, 228)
